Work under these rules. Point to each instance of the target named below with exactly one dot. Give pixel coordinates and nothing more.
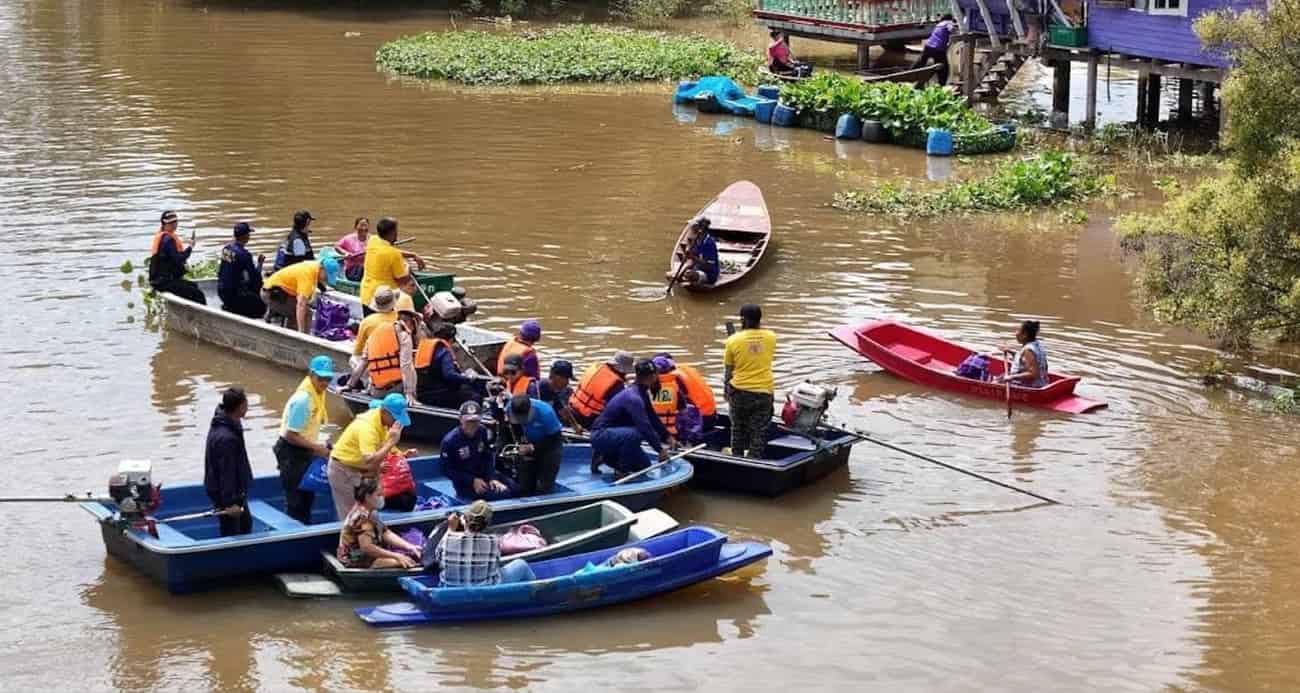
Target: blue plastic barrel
(938, 142)
(848, 127)
(783, 116)
(684, 94)
(769, 91)
(763, 110)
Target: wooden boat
(287, 347)
(188, 555)
(586, 528)
(678, 559)
(906, 75)
(766, 73)
(921, 357)
(742, 227)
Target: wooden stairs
(994, 70)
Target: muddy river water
(1173, 565)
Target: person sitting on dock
(516, 380)
(352, 248)
(389, 357)
(747, 376)
(383, 311)
(522, 345)
(363, 446)
(227, 475)
(289, 292)
(470, 556)
(296, 247)
(469, 460)
(936, 49)
(556, 391)
(598, 385)
(543, 444)
(385, 265)
(628, 421)
(167, 258)
(1029, 366)
(441, 382)
(299, 441)
(239, 278)
(364, 541)
(779, 59)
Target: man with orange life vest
(521, 345)
(698, 391)
(389, 358)
(167, 258)
(598, 385)
(670, 399)
(441, 382)
(517, 382)
(383, 311)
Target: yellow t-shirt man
(749, 354)
(298, 279)
(365, 435)
(384, 266)
(367, 326)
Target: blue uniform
(239, 282)
(466, 458)
(706, 258)
(628, 421)
(558, 399)
(542, 422)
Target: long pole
(1006, 375)
(69, 498)
(670, 460)
(953, 467)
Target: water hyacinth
(577, 53)
(904, 111)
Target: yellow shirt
(749, 354)
(298, 279)
(368, 325)
(384, 266)
(304, 412)
(362, 437)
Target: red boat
(930, 360)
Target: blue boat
(678, 559)
(716, 94)
(188, 555)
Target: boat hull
(742, 227)
(932, 361)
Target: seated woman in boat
(779, 59)
(703, 266)
(352, 248)
(365, 542)
(1029, 367)
(469, 555)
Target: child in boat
(365, 542)
(470, 556)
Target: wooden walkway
(864, 22)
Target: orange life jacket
(665, 402)
(521, 385)
(512, 347)
(157, 241)
(697, 390)
(384, 356)
(594, 389)
(428, 349)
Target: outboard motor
(449, 307)
(805, 406)
(133, 490)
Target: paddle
(68, 498)
(1006, 375)
(867, 438)
(674, 458)
(194, 516)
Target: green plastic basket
(1072, 37)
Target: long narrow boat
(921, 357)
(789, 461)
(740, 223)
(188, 555)
(906, 75)
(431, 282)
(678, 559)
(287, 347)
(586, 528)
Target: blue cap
(395, 405)
(562, 368)
(332, 269)
(322, 366)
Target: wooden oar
(194, 516)
(674, 458)
(69, 498)
(1006, 375)
(867, 438)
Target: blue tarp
(729, 95)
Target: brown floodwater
(1171, 566)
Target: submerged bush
(1048, 179)
(905, 112)
(565, 54)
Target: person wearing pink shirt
(353, 249)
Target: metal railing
(863, 12)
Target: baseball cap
(302, 216)
(663, 364)
(622, 362)
(322, 366)
(395, 404)
(242, 229)
(520, 406)
(470, 410)
(332, 269)
(531, 330)
(562, 368)
(168, 217)
(645, 368)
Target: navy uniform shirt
(466, 458)
(238, 273)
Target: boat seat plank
(724, 246)
(170, 536)
(271, 516)
(911, 353)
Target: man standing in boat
(226, 471)
(299, 440)
(747, 377)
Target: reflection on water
(1171, 565)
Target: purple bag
(975, 367)
(690, 425)
(330, 318)
(414, 537)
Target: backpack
(331, 320)
(975, 367)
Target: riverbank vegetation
(570, 53)
(1050, 178)
(1224, 256)
(905, 112)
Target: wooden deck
(853, 21)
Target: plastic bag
(316, 478)
(331, 317)
(395, 475)
(520, 539)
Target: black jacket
(226, 471)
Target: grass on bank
(1050, 178)
(572, 53)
